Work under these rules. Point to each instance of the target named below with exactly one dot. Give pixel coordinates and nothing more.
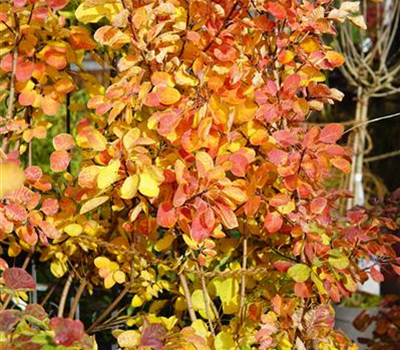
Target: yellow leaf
(164, 243)
(228, 291)
(224, 341)
(101, 262)
(87, 13)
(167, 95)
(108, 175)
(109, 281)
(130, 187)
(137, 301)
(58, 268)
(73, 230)
(12, 177)
(119, 277)
(150, 180)
(93, 203)
(204, 163)
(129, 339)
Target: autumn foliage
(202, 194)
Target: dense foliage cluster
(201, 193)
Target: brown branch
(243, 283)
(188, 298)
(107, 311)
(206, 301)
(77, 297)
(382, 156)
(64, 294)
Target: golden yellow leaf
(93, 203)
(108, 175)
(164, 243)
(224, 341)
(12, 177)
(150, 180)
(130, 186)
(73, 230)
(136, 301)
(129, 339)
(58, 268)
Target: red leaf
(67, 331)
(49, 230)
(279, 199)
(6, 226)
(33, 173)
(341, 164)
(291, 85)
(57, 4)
(240, 164)
(8, 319)
(263, 23)
(318, 205)
(18, 279)
(331, 133)
(376, 275)
(24, 70)
(282, 266)
(273, 222)
(226, 53)
(63, 142)
(302, 290)
(166, 215)
(153, 336)
(16, 212)
(59, 161)
(276, 9)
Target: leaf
(338, 260)
(318, 205)
(8, 319)
(341, 163)
(273, 222)
(93, 204)
(50, 206)
(18, 279)
(167, 95)
(50, 106)
(224, 341)
(276, 9)
(166, 215)
(358, 21)
(299, 272)
(331, 133)
(376, 275)
(49, 230)
(12, 177)
(108, 174)
(150, 181)
(67, 331)
(87, 13)
(130, 186)
(73, 230)
(334, 58)
(164, 243)
(59, 161)
(153, 336)
(63, 142)
(227, 215)
(129, 339)
(204, 163)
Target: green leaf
(338, 260)
(299, 272)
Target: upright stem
(243, 282)
(11, 103)
(77, 297)
(188, 298)
(110, 308)
(206, 300)
(64, 294)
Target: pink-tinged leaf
(8, 319)
(166, 215)
(203, 224)
(240, 164)
(49, 230)
(50, 206)
(252, 205)
(6, 63)
(57, 4)
(279, 200)
(40, 14)
(3, 264)
(273, 222)
(283, 266)
(276, 9)
(59, 161)
(318, 205)
(278, 157)
(16, 212)
(331, 133)
(6, 226)
(37, 311)
(376, 275)
(63, 142)
(19, 3)
(67, 331)
(33, 173)
(18, 279)
(27, 98)
(24, 70)
(291, 85)
(49, 106)
(153, 336)
(396, 268)
(302, 290)
(227, 215)
(341, 164)
(226, 53)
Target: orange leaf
(167, 95)
(59, 160)
(63, 142)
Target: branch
(64, 294)
(373, 121)
(382, 156)
(77, 297)
(188, 298)
(108, 310)
(206, 300)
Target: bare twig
(77, 297)
(64, 294)
(188, 298)
(206, 297)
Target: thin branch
(107, 311)
(373, 121)
(77, 297)
(64, 294)
(243, 282)
(188, 298)
(382, 156)
(206, 300)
